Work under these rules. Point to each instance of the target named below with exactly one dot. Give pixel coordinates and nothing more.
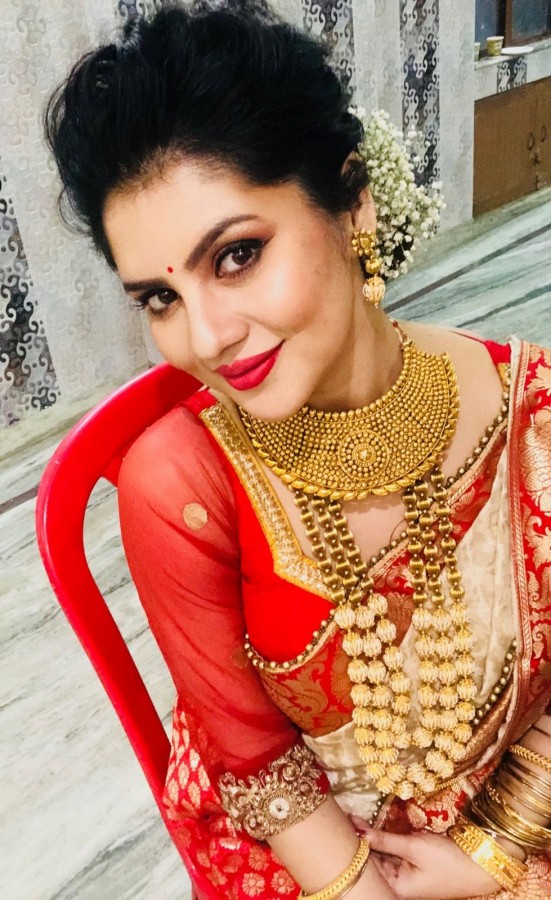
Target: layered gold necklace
(395, 443)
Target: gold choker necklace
(383, 447)
(391, 444)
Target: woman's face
(253, 290)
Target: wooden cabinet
(512, 145)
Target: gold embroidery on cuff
(283, 794)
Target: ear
(363, 215)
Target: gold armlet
(345, 882)
(523, 753)
(488, 854)
(281, 795)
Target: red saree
(214, 558)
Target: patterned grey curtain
(65, 327)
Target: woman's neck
(368, 369)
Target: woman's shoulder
(474, 357)
(173, 454)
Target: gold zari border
(290, 564)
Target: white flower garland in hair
(406, 212)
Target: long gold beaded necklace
(395, 443)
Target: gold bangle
(487, 853)
(525, 795)
(494, 829)
(528, 776)
(493, 815)
(536, 834)
(345, 882)
(543, 761)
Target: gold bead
(368, 755)
(376, 671)
(447, 720)
(357, 671)
(345, 616)
(428, 697)
(361, 695)
(404, 790)
(389, 757)
(428, 671)
(361, 716)
(372, 645)
(422, 737)
(383, 740)
(393, 658)
(363, 736)
(375, 770)
(466, 688)
(401, 704)
(364, 617)
(381, 696)
(463, 733)
(352, 644)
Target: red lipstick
(246, 374)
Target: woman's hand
(428, 867)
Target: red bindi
(170, 269)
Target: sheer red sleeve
(179, 532)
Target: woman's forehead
(173, 211)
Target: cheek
(297, 292)
(170, 337)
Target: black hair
(226, 82)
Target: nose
(215, 325)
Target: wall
(65, 327)
(494, 76)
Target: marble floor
(77, 821)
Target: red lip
(245, 374)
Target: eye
(156, 301)
(237, 257)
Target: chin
(271, 408)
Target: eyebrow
(196, 254)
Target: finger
(387, 866)
(402, 845)
(361, 825)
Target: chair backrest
(94, 449)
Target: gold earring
(365, 247)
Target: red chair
(94, 449)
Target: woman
(342, 543)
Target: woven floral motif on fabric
(536, 885)
(235, 865)
(531, 529)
